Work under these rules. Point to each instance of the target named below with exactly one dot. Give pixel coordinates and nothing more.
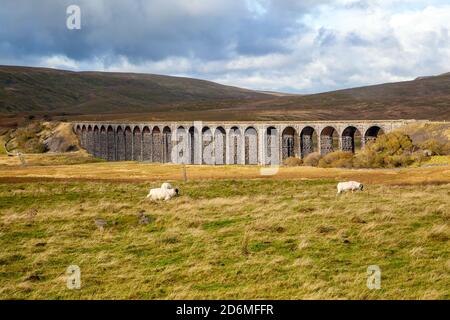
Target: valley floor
(231, 234)
(78, 166)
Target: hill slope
(424, 98)
(24, 89)
(125, 96)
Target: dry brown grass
(10, 169)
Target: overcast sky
(299, 46)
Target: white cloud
(359, 46)
(59, 62)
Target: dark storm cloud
(148, 30)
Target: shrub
(337, 159)
(34, 145)
(396, 161)
(394, 143)
(27, 138)
(293, 162)
(312, 159)
(390, 150)
(436, 147)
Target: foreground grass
(235, 239)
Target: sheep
(349, 186)
(166, 192)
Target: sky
(301, 46)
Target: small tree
(390, 150)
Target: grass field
(230, 234)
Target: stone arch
(235, 145)
(220, 145)
(120, 144)
(351, 139)
(251, 145)
(289, 143)
(103, 143)
(128, 144)
(329, 140)
(308, 141)
(207, 146)
(111, 149)
(137, 144)
(194, 140)
(146, 144)
(157, 155)
(271, 146)
(167, 145)
(372, 133)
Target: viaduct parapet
(263, 143)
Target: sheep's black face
(176, 191)
(361, 187)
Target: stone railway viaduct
(263, 143)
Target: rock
(143, 219)
(59, 144)
(100, 223)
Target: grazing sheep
(166, 192)
(349, 186)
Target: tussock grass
(2, 146)
(227, 238)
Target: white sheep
(349, 186)
(166, 192)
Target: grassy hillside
(423, 98)
(222, 236)
(125, 96)
(24, 89)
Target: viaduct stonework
(263, 143)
